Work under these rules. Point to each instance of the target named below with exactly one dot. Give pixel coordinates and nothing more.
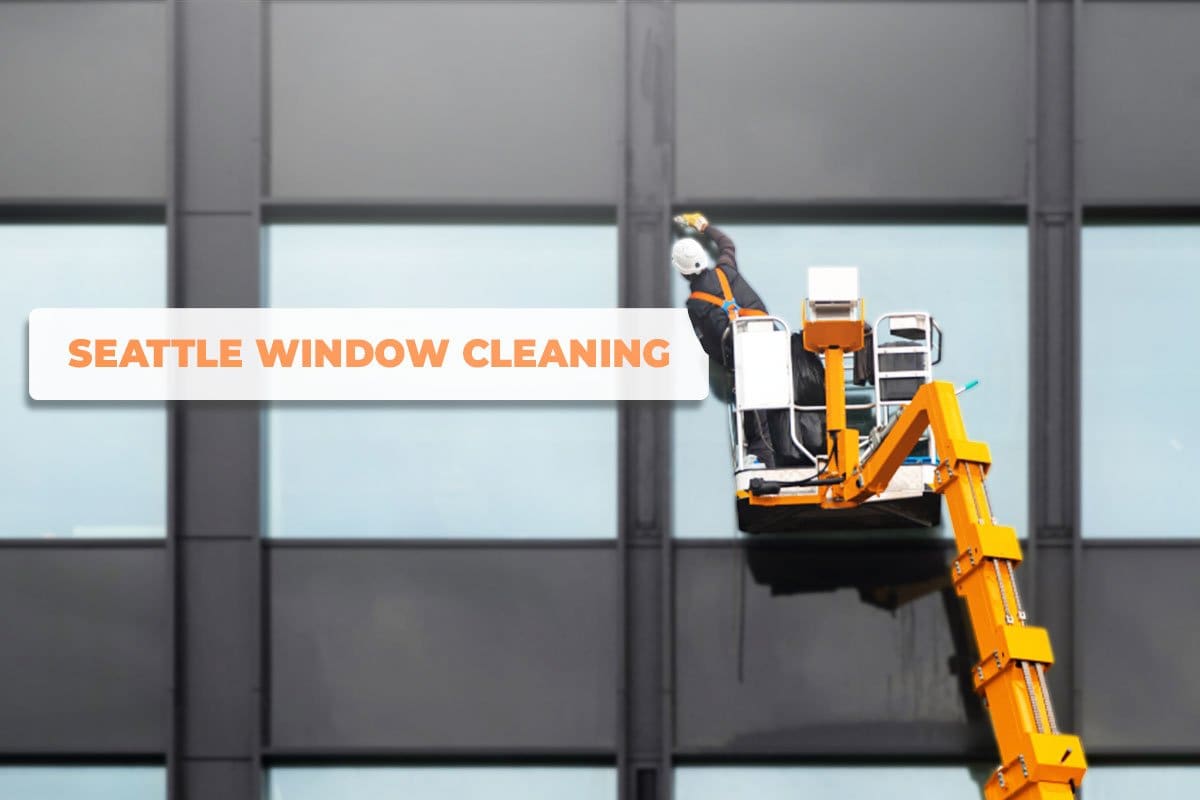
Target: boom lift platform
(860, 480)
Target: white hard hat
(690, 257)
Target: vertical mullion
(646, 701)
(214, 544)
(1075, 463)
(173, 416)
(1054, 235)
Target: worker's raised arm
(726, 252)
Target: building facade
(309, 601)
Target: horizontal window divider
(472, 211)
(81, 758)
(463, 2)
(83, 211)
(147, 543)
(1142, 212)
(866, 210)
(433, 543)
(466, 757)
(904, 758)
(815, 545)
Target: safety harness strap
(708, 298)
(728, 305)
(724, 279)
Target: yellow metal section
(835, 338)
(1038, 762)
(846, 334)
(813, 499)
(841, 442)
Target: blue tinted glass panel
(824, 783)
(1139, 377)
(1123, 783)
(435, 783)
(78, 469)
(972, 278)
(83, 783)
(438, 469)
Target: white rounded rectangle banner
(364, 354)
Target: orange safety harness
(728, 305)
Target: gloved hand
(694, 220)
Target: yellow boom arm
(1037, 762)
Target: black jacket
(710, 321)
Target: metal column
(1054, 241)
(646, 700)
(213, 230)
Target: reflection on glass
(451, 470)
(441, 783)
(78, 469)
(972, 278)
(1139, 376)
(83, 783)
(824, 783)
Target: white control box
(832, 292)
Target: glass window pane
(844, 783)
(83, 783)
(439, 783)
(972, 278)
(404, 469)
(78, 469)
(1139, 375)
(1122, 783)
